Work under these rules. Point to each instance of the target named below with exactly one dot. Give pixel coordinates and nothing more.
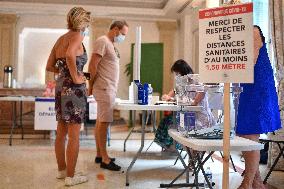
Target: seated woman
(204, 118)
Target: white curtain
(277, 32)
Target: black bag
(264, 154)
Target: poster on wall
(226, 52)
(45, 116)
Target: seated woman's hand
(166, 97)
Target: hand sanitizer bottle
(208, 174)
(150, 94)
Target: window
(261, 18)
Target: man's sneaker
(111, 166)
(77, 179)
(100, 159)
(61, 174)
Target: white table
(18, 98)
(14, 100)
(236, 144)
(161, 107)
(144, 109)
(207, 145)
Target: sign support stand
(226, 136)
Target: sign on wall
(45, 116)
(226, 52)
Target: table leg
(21, 118)
(203, 172)
(192, 162)
(140, 149)
(13, 121)
(275, 162)
(281, 149)
(154, 120)
(195, 170)
(174, 119)
(187, 184)
(182, 161)
(207, 157)
(133, 112)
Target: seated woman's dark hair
(181, 67)
(261, 34)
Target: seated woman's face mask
(176, 75)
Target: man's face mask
(120, 38)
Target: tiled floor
(30, 163)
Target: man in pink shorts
(104, 69)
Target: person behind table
(68, 58)
(258, 110)
(104, 69)
(204, 118)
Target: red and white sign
(226, 44)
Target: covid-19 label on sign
(226, 44)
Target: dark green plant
(129, 71)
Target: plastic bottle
(150, 94)
(177, 120)
(181, 123)
(146, 92)
(140, 93)
(131, 92)
(208, 174)
(191, 121)
(135, 91)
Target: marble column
(167, 37)
(7, 41)
(99, 27)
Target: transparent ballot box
(186, 88)
(185, 122)
(188, 123)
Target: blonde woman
(68, 58)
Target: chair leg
(234, 167)
(274, 164)
(177, 157)
(150, 145)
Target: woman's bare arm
(73, 46)
(257, 43)
(95, 60)
(50, 66)
(169, 96)
(199, 96)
